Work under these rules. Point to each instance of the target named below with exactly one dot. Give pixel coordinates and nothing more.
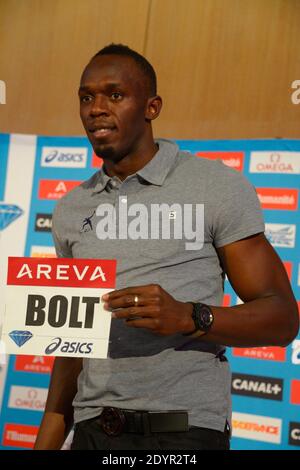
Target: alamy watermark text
(153, 221)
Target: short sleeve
(62, 247)
(238, 214)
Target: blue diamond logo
(20, 337)
(8, 214)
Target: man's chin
(105, 152)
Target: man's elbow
(291, 327)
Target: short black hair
(144, 65)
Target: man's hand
(150, 307)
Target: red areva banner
(35, 172)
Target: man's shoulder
(77, 194)
(184, 159)
(212, 178)
(205, 167)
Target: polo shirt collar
(100, 181)
(155, 171)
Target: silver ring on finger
(136, 300)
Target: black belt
(114, 421)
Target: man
(166, 381)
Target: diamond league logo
(20, 337)
(8, 214)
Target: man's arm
(58, 416)
(269, 315)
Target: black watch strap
(203, 318)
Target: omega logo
(32, 394)
(275, 157)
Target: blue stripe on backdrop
(4, 143)
(46, 206)
(258, 407)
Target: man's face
(113, 97)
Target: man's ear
(154, 106)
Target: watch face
(202, 316)
(206, 317)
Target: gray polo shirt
(145, 371)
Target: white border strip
(18, 189)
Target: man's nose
(99, 106)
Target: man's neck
(131, 163)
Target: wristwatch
(203, 318)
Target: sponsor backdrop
(36, 171)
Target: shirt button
(124, 200)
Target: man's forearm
(262, 322)
(58, 417)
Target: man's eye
(116, 96)
(85, 99)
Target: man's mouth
(100, 131)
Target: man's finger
(124, 292)
(149, 323)
(149, 289)
(130, 312)
(130, 300)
